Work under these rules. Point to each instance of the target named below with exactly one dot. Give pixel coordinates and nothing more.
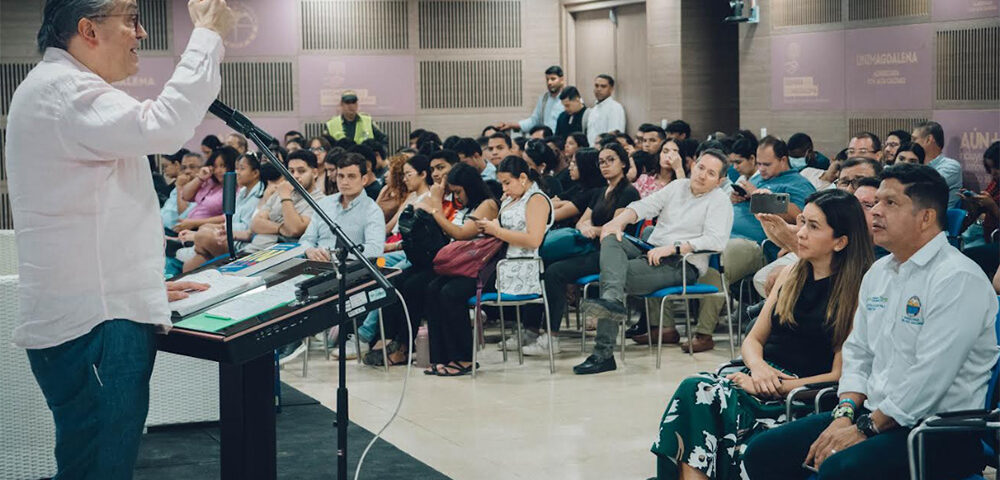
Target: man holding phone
(90, 241)
(694, 215)
(780, 185)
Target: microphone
(237, 121)
(229, 208)
(229, 193)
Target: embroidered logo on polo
(876, 303)
(912, 311)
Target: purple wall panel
(890, 68)
(385, 84)
(263, 27)
(944, 10)
(967, 133)
(807, 71)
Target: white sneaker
(527, 338)
(541, 346)
(351, 350)
(284, 358)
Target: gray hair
(59, 22)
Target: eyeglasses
(317, 149)
(134, 19)
(891, 144)
(853, 182)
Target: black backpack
(422, 236)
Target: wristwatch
(677, 248)
(866, 426)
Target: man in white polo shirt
(923, 343)
(90, 242)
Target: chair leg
(357, 341)
(520, 351)
(729, 321)
(305, 357)
(628, 313)
(645, 306)
(579, 325)
(659, 337)
(503, 336)
(475, 339)
(687, 321)
(326, 343)
(548, 330)
(385, 342)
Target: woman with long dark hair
(611, 200)
(524, 218)
(796, 341)
(585, 173)
(472, 199)
(206, 189)
(669, 167)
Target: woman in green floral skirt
(795, 341)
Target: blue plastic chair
(500, 300)
(987, 420)
(694, 291)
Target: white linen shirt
(923, 340)
(89, 238)
(603, 117)
(705, 221)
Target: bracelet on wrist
(843, 410)
(848, 400)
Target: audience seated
(417, 175)
(678, 130)
(856, 168)
(498, 147)
(205, 189)
(353, 211)
(472, 198)
(605, 205)
(471, 153)
(652, 137)
(586, 176)
(910, 153)
(320, 146)
(930, 135)
(210, 241)
(694, 215)
(710, 419)
(744, 255)
(524, 218)
(669, 166)
(284, 215)
(175, 208)
(209, 144)
(394, 191)
(801, 153)
(237, 141)
(923, 342)
(984, 211)
(540, 157)
(893, 141)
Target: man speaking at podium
(89, 238)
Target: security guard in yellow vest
(351, 124)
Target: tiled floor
(518, 421)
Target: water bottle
(423, 348)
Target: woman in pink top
(206, 189)
(669, 168)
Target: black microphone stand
(229, 209)
(239, 122)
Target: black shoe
(595, 365)
(604, 309)
(754, 310)
(636, 330)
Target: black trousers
(412, 284)
(557, 276)
(778, 454)
(448, 322)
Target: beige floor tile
(518, 421)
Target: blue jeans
(97, 387)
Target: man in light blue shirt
(356, 213)
(930, 135)
(547, 108)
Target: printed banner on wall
(890, 68)
(154, 72)
(263, 27)
(386, 85)
(943, 10)
(807, 71)
(275, 126)
(967, 134)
